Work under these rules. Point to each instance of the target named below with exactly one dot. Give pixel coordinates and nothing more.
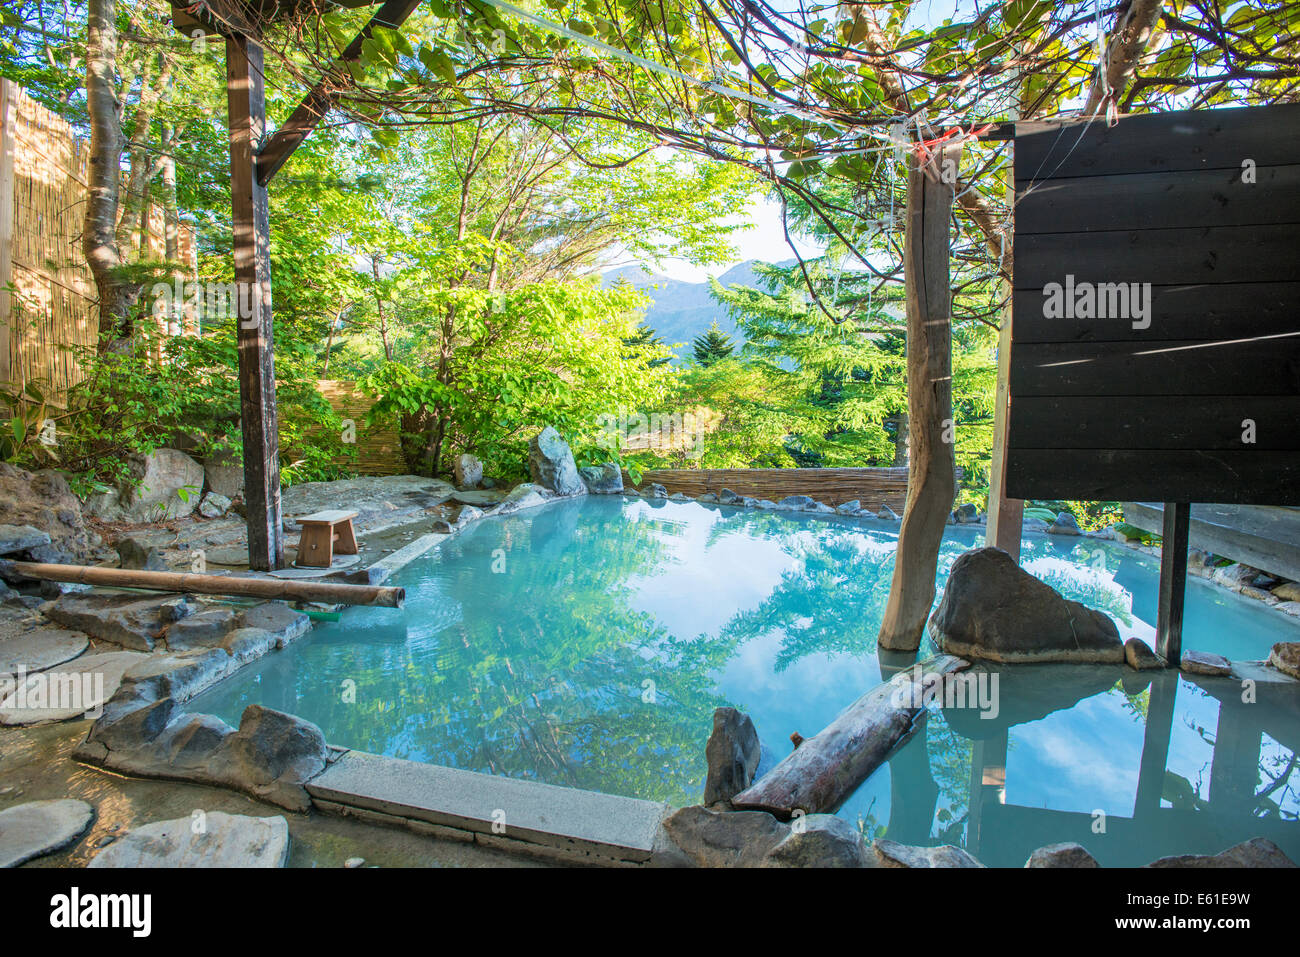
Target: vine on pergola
(818, 101)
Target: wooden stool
(319, 533)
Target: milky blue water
(587, 643)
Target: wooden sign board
(1156, 312)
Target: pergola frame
(251, 170)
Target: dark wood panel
(1243, 367)
(1156, 422)
(1158, 142)
(1234, 478)
(1166, 200)
(1165, 257)
(1197, 311)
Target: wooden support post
(931, 485)
(251, 219)
(1173, 582)
(1005, 515)
(1155, 744)
(8, 127)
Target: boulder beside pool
(551, 465)
(995, 610)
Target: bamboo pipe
(328, 592)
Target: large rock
(893, 854)
(521, 497)
(1065, 524)
(699, 837)
(1139, 656)
(551, 465)
(273, 755)
(733, 753)
(132, 621)
(993, 609)
(1285, 657)
(467, 471)
(42, 501)
(1253, 853)
(820, 840)
(214, 505)
(162, 485)
(133, 554)
(19, 538)
(224, 474)
(41, 827)
(1061, 855)
(604, 479)
(796, 503)
(1287, 591)
(216, 839)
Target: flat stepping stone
(90, 681)
(41, 827)
(40, 649)
(224, 840)
(294, 571)
(227, 555)
(480, 497)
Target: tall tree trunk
(931, 485)
(141, 167)
(1124, 48)
(172, 225)
(99, 237)
(900, 441)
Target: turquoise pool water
(587, 643)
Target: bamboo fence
(379, 450)
(43, 176)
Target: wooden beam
(930, 486)
(1006, 515)
(321, 98)
(1173, 582)
(251, 220)
(270, 588)
(826, 768)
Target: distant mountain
(680, 310)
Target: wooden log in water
(826, 768)
(273, 588)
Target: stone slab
(41, 827)
(304, 571)
(479, 497)
(587, 823)
(40, 649)
(383, 569)
(112, 665)
(223, 840)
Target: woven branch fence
(872, 487)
